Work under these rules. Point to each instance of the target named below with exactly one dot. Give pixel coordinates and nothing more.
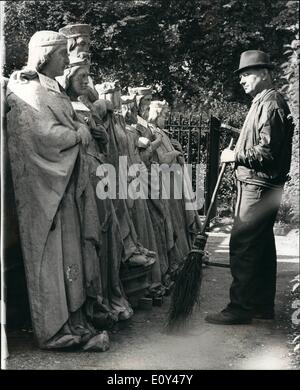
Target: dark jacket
(263, 150)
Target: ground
(143, 343)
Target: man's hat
(254, 59)
(75, 30)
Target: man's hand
(84, 135)
(227, 155)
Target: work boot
(264, 315)
(226, 317)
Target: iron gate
(200, 140)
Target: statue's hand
(100, 134)
(158, 137)
(158, 134)
(176, 153)
(176, 145)
(140, 129)
(180, 159)
(84, 135)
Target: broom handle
(222, 170)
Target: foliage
(295, 316)
(290, 68)
(185, 48)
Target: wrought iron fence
(191, 132)
(198, 134)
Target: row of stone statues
(62, 130)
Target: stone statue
(144, 97)
(114, 304)
(118, 146)
(147, 142)
(158, 113)
(185, 222)
(110, 91)
(44, 143)
(78, 36)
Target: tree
(186, 49)
(183, 47)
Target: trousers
(252, 249)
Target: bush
(289, 210)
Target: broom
(188, 282)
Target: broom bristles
(186, 291)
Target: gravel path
(142, 344)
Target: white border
(4, 350)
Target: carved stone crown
(142, 91)
(75, 30)
(159, 103)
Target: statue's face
(58, 61)
(115, 99)
(130, 112)
(145, 101)
(82, 45)
(110, 91)
(162, 117)
(164, 113)
(144, 106)
(79, 82)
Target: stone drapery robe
(141, 215)
(117, 147)
(184, 221)
(43, 152)
(111, 253)
(133, 215)
(160, 212)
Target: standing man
(262, 159)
